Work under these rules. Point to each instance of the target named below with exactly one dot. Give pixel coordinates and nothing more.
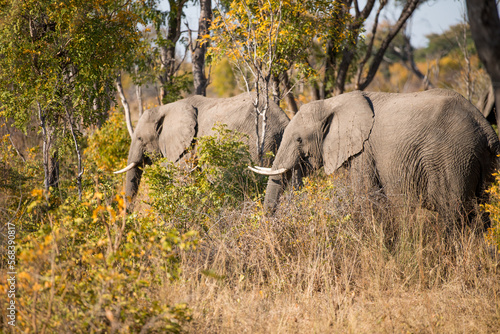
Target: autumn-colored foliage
(197, 253)
(493, 208)
(275, 36)
(108, 147)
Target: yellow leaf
(37, 193)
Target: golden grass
(330, 261)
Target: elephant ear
(177, 130)
(351, 122)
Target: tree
(402, 50)
(200, 48)
(339, 65)
(57, 62)
(171, 83)
(265, 39)
(485, 28)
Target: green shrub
(215, 179)
(92, 268)
(86, 266)
(106, 151)
(107, 148)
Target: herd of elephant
(433, 148)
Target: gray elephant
(170, 129)
(431, 147)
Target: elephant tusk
(264, 169)
(267, 171)
(126, 169)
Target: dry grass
(330, 261)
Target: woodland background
(197, 254)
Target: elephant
(433, 147)
(169, 130)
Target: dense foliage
(267, 38)
(86, 265)
(59, 56)
(216, 179)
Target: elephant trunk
(133, 177)
(276, 185)
(132, 181)
(274, 189)
(287, 158)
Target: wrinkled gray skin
(432, 147)
(486, 105)
(170, 129)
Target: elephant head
(323, 133)
(167, 131)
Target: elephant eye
(299, 140)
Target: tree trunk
(199, 78)
(485, 28)
(125, 104)
(407, 11)
(290, 98)
(53, 169)
(330, 67)
(78, 153)
(317, 93)
(138, 93)
(275, 84)
(167, 47)
(343, 70)
(50, 160)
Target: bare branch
(78, 153)
(408, 9)
(125, 104)
(370, 45)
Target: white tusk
(264, 169)
(267, 171)
(126, 169)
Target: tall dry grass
(332, 261)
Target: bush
(91, 268)
(214, 180)
(107, 147)
(86, 266)
(106, 151)
(493, 208)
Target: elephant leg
(364, 178)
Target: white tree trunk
(126, 107)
